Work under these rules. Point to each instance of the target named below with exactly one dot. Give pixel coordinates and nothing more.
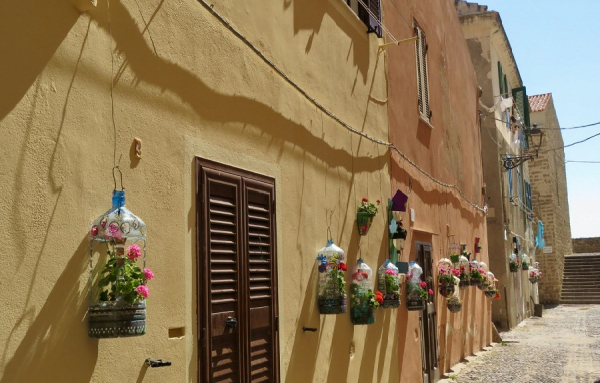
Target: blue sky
(555, 44)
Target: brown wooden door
(237, 300)
(428, 322)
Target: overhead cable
(326, 111)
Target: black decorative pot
(332, 305)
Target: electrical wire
(571, 144)
(582, 162)
(328, 112)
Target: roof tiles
(539, 102)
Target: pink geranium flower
(134, 252)
(148, 274)
(143, 290)
(390, 272)
(430, 292)
(423, 284)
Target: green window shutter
(500, 79)
(521, 102)
(505, 90)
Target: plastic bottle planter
(483, 270)
(331, 266)
(513, 263)
(525, 262)
(454, 304)
(118, 280)
(390, 285)
(535, 275)
(446, 273)
(465, 273)
(491, 290)
(474, 273)
(454, 250)
(363, 300)
(416, 295)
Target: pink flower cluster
(456, 272)
(391, 272)
(148, 274)
(423, 284)
(134, 252)
(143, 290)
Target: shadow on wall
(57, 333)
(309, 15)
(30, 33)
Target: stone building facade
(509, 216)
(551, 205)
(586, 245)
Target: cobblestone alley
(563, 346)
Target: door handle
(231, 323)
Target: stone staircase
(581, 280)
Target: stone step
(582, 261)
(579, 302)
(580, 296)
(572, 290)
(581, 270)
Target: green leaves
(123, 280)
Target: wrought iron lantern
(331, 264)
(535, 138)
(118, 275)
(363, 300)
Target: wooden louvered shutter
(219, 285)
(262, 362)
(501, 80)
(521, 102)
(422, 80)
(237, 276)
(371, 22)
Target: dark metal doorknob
(231, 322)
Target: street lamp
(535, 137)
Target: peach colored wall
(450, 152)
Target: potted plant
(535, 275)
(363, 300)
(365, 214)
(514, 264)
(389, 285)
(454, 304)
(525, 262)
(491, 292)
(331, 267)
(477, 276)
(446, 281)
(464, 273)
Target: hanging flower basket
(535, 275)
(484, 285)
(331, 267)
(465, 277)
(454, 304)
(514, 267)
(491, 293)
(446, 281)
(464, 284)
(454, 258)
(416, 293)
(119, 283)
(446, 290)
(365, 214)
(390, 285)
(364, 221)
(363, 300)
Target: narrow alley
(562, 346)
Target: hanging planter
(390, 285)
(365, 214)
(331, 267)
(483, 270)
(118, 281)
(416, 293)
(476, 273)
(525, 262)
(465, 273)
(364, 302)
(513, 263)
(399, 201)
(535, 275)
(446, 274)
(454, 304)
(454, 251)
(477, 245)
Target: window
(510, 177)
(371, 15)
(422, 79)
(237, 275)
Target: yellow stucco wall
(187, 87)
